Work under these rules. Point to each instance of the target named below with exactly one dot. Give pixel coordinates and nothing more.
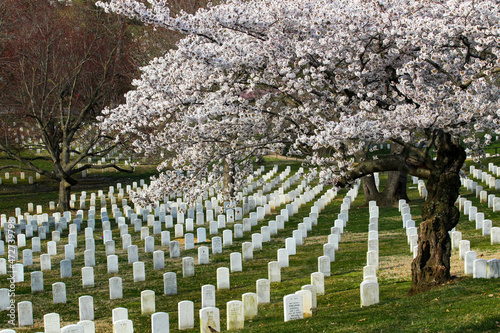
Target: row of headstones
(22, 176)
(409, 226)
(158, 258)
(87, 272)
(38, 272)
(478, 268)
(306, 306)
(492, 201)
(480, 223)
(36, 241)
(474, 187)
(369, 287)
(303, 303)
(296, 306)
(45, 217)
(83, 196)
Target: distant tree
(60, 65)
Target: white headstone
(369, 292)
(236, 262)
(148, 302)
(25, 313)
(158, 260)
(293, 307)
(223, 278)
(139, 271)
(36, 282)
(208, 296)
(115, 288)
(58, 293)
(480, 269)
(88, 276)
(185, 310)
(203, 255)
(187, 266)
(235, 315)
(52, 323)
(318, 280)
(263, 288)
(112, 263)
(493, 268)
(250, 305)
(469, 258)
(86, 307)
(119, 314)
(247, 250)
(209, 320)
(170, 283)
(324, 265)
(274, 271)
(160, 323)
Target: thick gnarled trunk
(431, 267)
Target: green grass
(463, 305)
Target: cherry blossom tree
(317, 75)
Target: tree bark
(64, 195)
(431, 267)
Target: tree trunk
(394, 189)
(228, 179)
(431, 267)
(64, 195)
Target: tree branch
(388, 163)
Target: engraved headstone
(235, 315)
(263, 288)
(293, 307)
(209, 320)
(208, 296)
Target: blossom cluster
(310, 75)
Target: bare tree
(59, 67)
